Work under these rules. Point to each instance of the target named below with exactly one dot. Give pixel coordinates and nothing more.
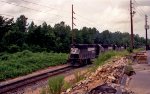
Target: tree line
(18, 35)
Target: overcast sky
(102, 14)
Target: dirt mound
(107, 79)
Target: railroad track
(4, 88)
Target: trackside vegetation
(108, 55)
(56, 82)
(22, 63)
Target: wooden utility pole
(131, 18)
(73, 32)
(146, 28)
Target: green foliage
(44, 91)
(5, 26)
(139, 50)
(128, 69)
(14, 38)
(66, 85)
(21, 23)
(130, 50)
(108, 55)
(22, 63)
(78, 76)
(55, 85)
(13, 49)
(38, 38)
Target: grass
(22, 63)
(108, 55)
(78, 77)
(55, 85)
(138, 50)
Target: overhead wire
(39, 10)
(31, 8)
(43, 5)
(139, 8)
(104, 27)
(88, 21)
(31, 19)
(85, 19)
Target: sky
(113, 15)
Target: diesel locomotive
(83, 54)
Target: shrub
(13, 49)
(130, 50)
(78, 76)
(107, 55)
(4, 57)
(67, 85)
(22, 63)
(55, 85)
(44, 91)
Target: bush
(13, 49)
(130, 50)
(56, 85)
(78, 76)
(4, 57)
(107, 55)
(22, 63)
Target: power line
(92, 22)
(42, 5)
(28, 18)
(140, 9)
(85, 20)
(29, 8)
(37, 4)
(43, 11)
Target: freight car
(82, 54)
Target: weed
(78, 76)
(129, 70)
(44, 91)
(130, 50)
(22, 63)
(66, 85)
(55, 85)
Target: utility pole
(131, 18)
(73, 32)
(146, 28)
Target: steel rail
(22, 82)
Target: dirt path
(140, 83)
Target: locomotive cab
(82, 54)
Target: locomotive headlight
(75, 51)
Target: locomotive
(83, 54)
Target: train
(83, 54)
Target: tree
(14, 37)
(21, 23)
(31, 27)
(17, 36)
(5, 25)
(63, 37)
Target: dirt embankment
(108, 78)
